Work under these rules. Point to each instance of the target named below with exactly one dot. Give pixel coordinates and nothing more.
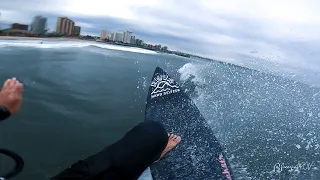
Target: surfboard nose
(168, 104)
(158, 70)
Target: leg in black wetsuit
(125, 159)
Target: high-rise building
(104, 34)
(113, 37)
(119, 37)
(64, 26)
(133, 40)
(116, 36)
(39, 25)
(127, 37)
(76, 31)
(19, 26)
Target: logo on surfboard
(163, 85)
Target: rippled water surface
(80, 97)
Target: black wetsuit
(4, 113)
(125, 159)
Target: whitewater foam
(56, 44)
(234, 95)
(191, 70)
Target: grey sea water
(81, 96)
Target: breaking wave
(261, 119)
(55, 44)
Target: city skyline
(66, 27)
(120, 35)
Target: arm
(10, 98)
(10, 103)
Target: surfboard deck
(199, 155)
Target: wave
(189, 70)
(252, 111)
(56, 44)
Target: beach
(39, 38)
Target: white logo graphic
(163, 85)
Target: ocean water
(81, 96)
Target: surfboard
(199, 155)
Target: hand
(11, 95)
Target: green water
(76, 101)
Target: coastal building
(104, 34)
(76, 31)
(64, 26)
(14, 32)
(19, 26)
(119, 37)
(157, 47)
(39, 25)
(127, 37)
(112, 38)
(139, 42)
(133, 40)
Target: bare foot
(173, 140)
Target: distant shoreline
(78, 39)
(38, 38)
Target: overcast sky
(282, 31)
